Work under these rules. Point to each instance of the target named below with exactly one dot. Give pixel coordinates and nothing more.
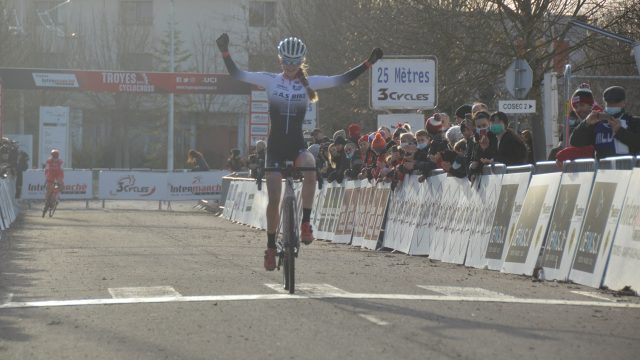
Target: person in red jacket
(53, 171)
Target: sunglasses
(291, 61)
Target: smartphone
(604, 117)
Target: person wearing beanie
(461, 112)
(582, 103)
(453, 135)
(378, 144)
(375, 155)
(433, 124)
(339, 133)
(612, 132)
(354, 132)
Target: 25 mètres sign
(404, 83)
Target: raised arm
(256, 78)
(318, 82)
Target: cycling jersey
(53, 170)
(288, 103)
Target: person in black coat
(511, 150)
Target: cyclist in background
(289, 94)
(53, 171)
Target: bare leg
(305, 159)
(274, 189)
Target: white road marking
(7, 298)
(465, 291)
(354, 296)
(592, 294)
(308, 289)
(373, 319)
(143, 292)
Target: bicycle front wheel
(289, 236)
(53, 207)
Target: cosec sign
(404, 83)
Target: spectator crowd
(461, 144)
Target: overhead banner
(567, 219)
(132, 185)
(600, 222)
(139, 82)
(531, 228)
(624, 262)
(78, 185)
(202, 185)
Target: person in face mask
(582, 104)
(511, 150)
(352, 161)
(612, 132)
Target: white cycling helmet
(292, 48)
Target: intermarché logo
(127, 185)
(196, 188)
(68, 188)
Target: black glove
(223, 42)
(376, 55)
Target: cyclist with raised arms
(289, 94)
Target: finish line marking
(166, 294)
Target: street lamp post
(171, 96)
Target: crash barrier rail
(580, 224)
(128, 184)
(9, 208)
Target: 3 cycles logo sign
(127, 185)
(384, 95)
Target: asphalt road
(132, 282)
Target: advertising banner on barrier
(598, 230)
(202, 185)
(377, 210)
(480, 221)
(132, 185)
(531, 228)
(325, 222)
(456, 240)
(431, 194)
(360, 221)
(343, 230)
(624, 262)
(566, 221)
(398, 218)
(442, 224)
(228, 203)
(508, 209)
(78, 185)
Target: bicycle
(288, 245)
(51, 200)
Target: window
(262, 13)
(136, 12)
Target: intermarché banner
(141, 185)
(78, 185)
(140, 82)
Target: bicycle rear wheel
(288, 232)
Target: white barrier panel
(229, 202)
(326, 222)
(376, 215)
(598, 230)
(430, 195)
(482, 220)
(8, 205)
(498, 242)
(530, 231)
(398, 234)
(344, 229)
(568, 215)
(317, 208)
(456, 240)
(78, 185)
(205, 185)
(360, 221)
(259, 209)
(447, 202)
(132, 185)
(624, 262)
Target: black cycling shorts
(281, 150)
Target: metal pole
(567, 95)
(171, 97)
